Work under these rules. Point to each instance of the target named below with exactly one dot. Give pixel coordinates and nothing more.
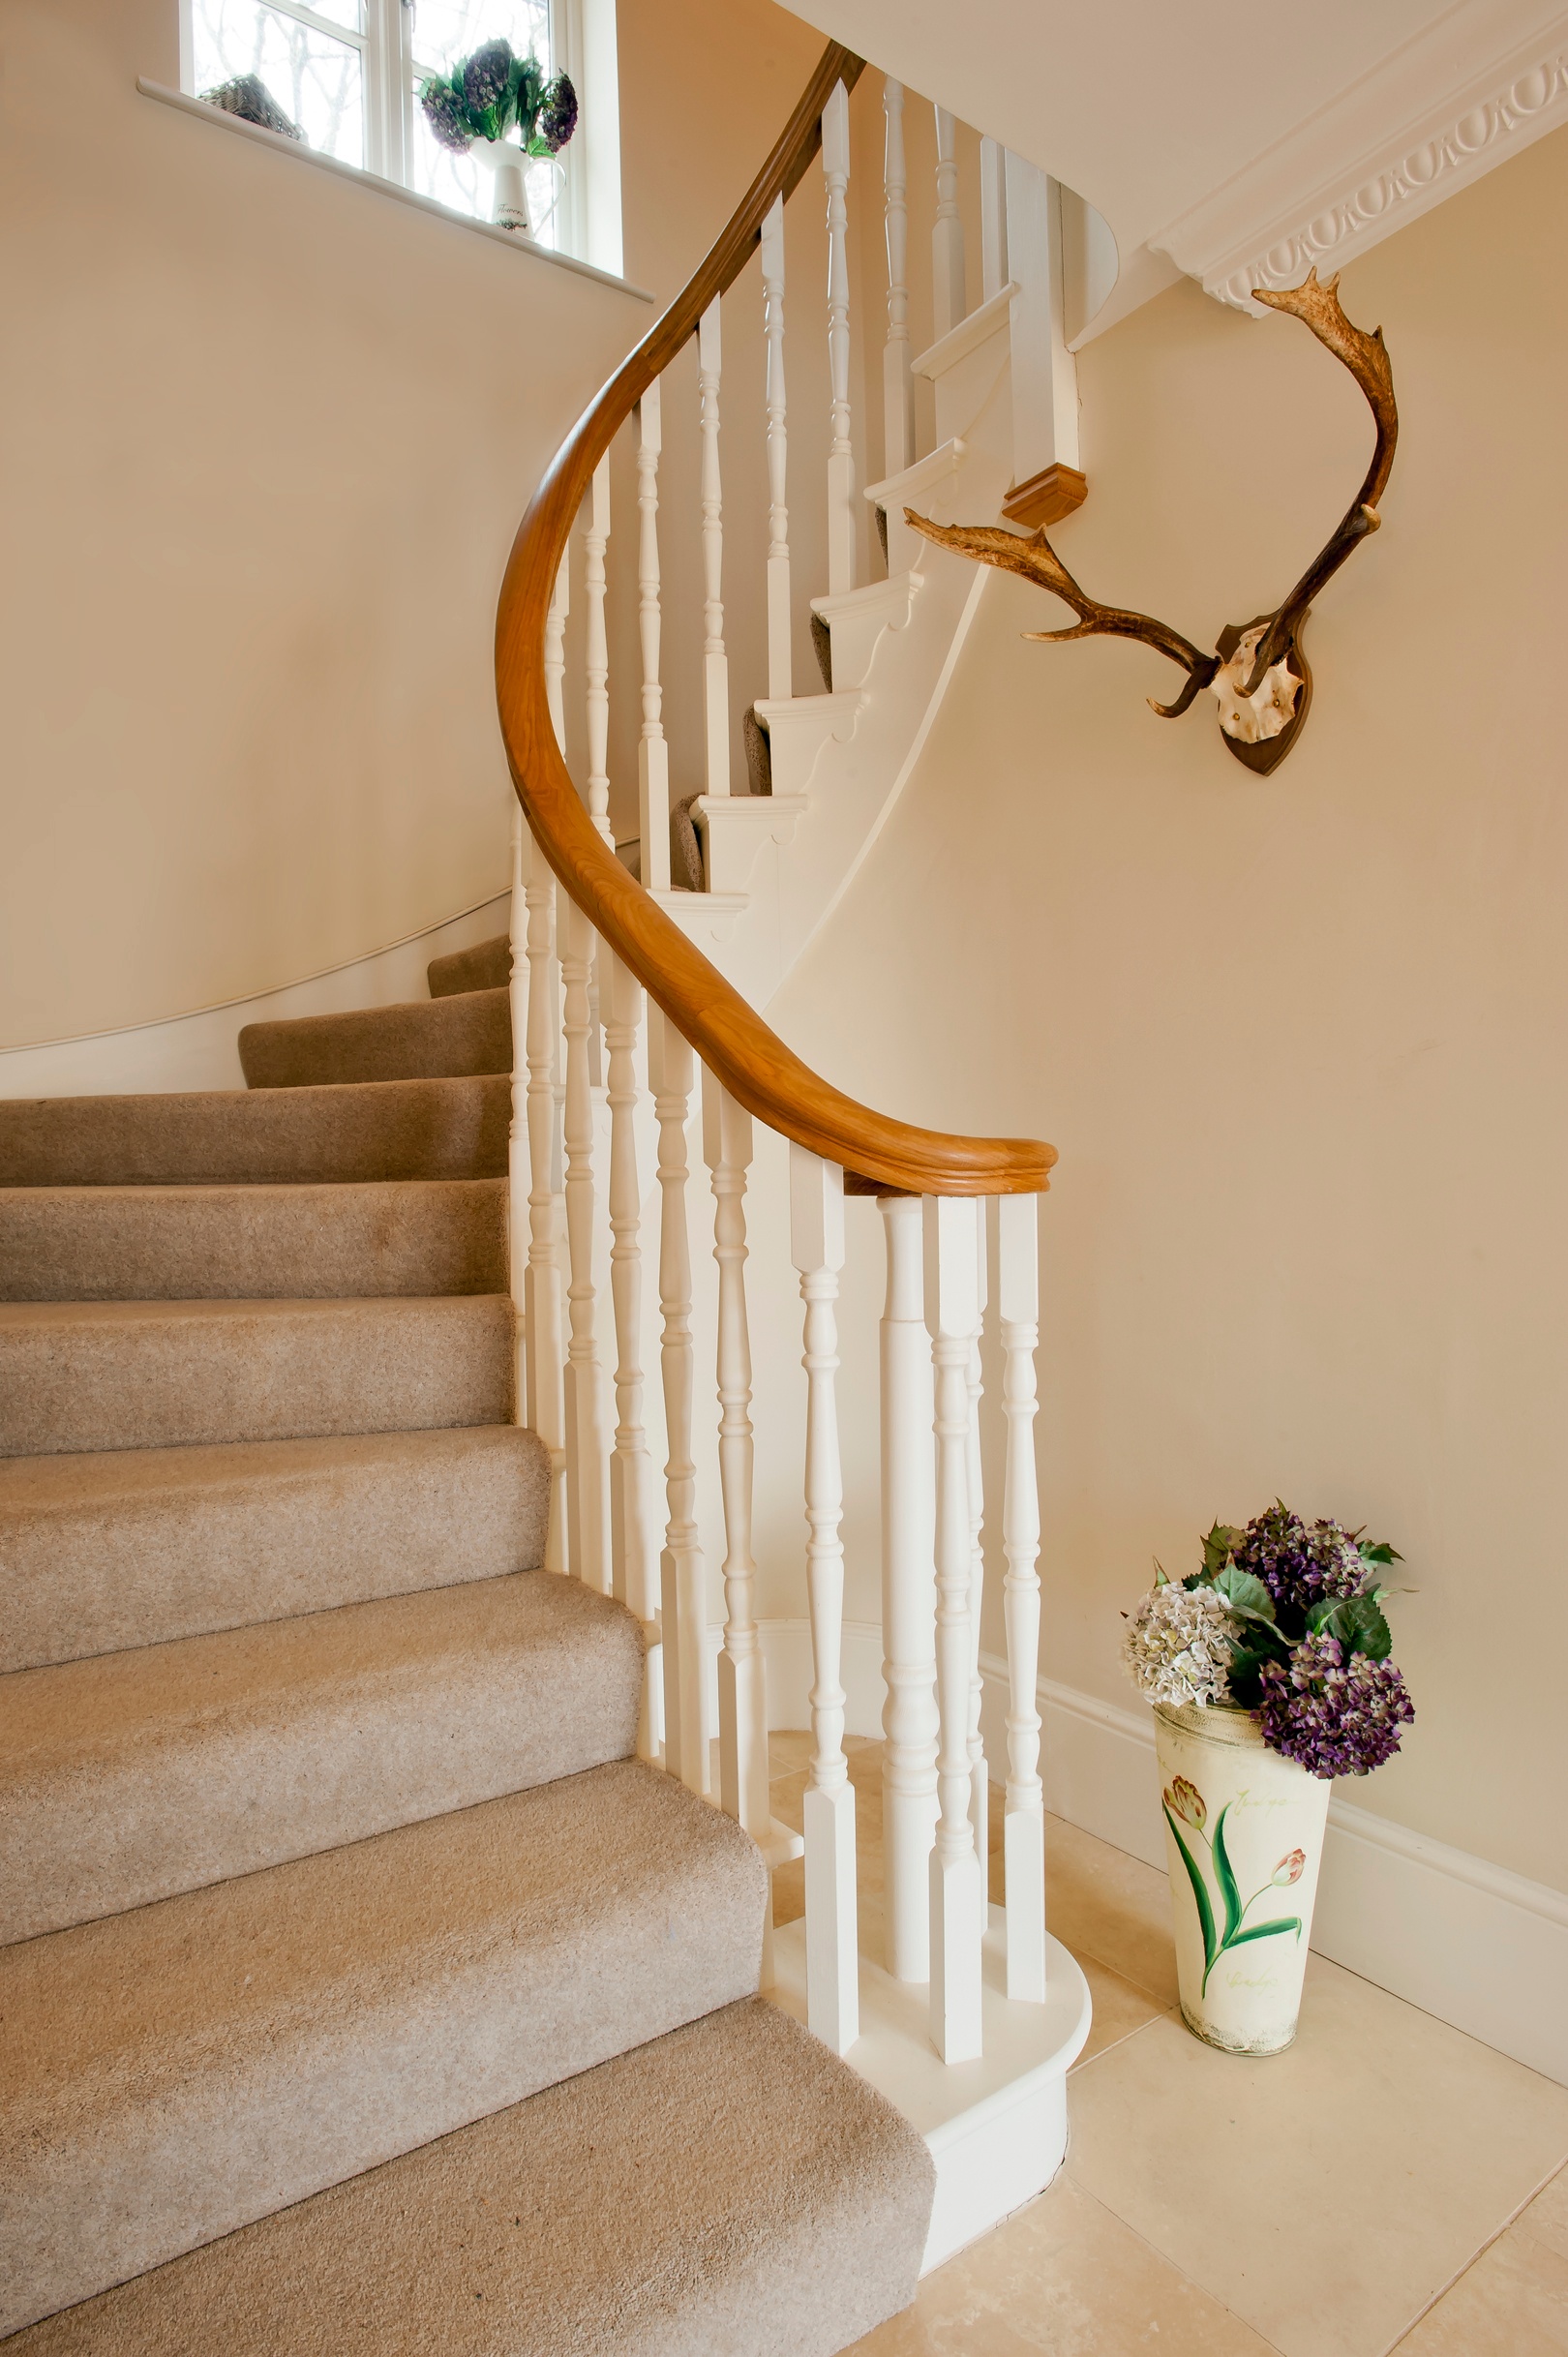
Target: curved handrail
(730, 1036)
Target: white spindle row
(600, 1062)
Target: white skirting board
(1482, 1949)
(200, 1050)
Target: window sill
(278, 145)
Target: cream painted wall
(268, 433)
(1300, 1041)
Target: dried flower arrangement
(1284, 1619)
(484, 94)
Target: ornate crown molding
(1465, 95)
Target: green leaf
(1382, 1552)
(1357, 1622)
(1200, 1893)
(1227, 1877)
(1220, 1544)
(1244, 1592)
(1257, 1931)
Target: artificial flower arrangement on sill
(1269, 1673)
(472, 110)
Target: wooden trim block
(1046, 497)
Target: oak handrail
(730, 1036)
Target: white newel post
(897, 384)
(1044, 372)
(909, 1719)
(682, 1587)
(781, 668)
(958, 1880)
(979, 1778)
(836, 170)
(832, 1957)
(633, 1558)
(715, 663)
(587, 1468)
(542, 1315)
(742, 1686)
(596, 650)
(1017, 1284)
(653, 752)
(947, 236)
(993, 218)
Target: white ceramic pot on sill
(1243, 1836)
(506, 158)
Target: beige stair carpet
(171, 2073)
(374, 1130)
(732, 2189)
(487, 966)
(133, 1776)
(137, 1374)
(422, 1038)
(133, 1547)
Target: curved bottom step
(793, 2223)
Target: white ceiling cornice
(1448, 106)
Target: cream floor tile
(1511, 2302)
(1120, 2009)
(1063, 2276)
(1101, 1903)
(1547, 2218)
(1326, 2194)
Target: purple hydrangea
(1300, 1562)
(1333, 1714)
(558, 114)
(444, 112)
(486, 74)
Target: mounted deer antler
(1258, 671)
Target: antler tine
(1317, 307)
(1034, 557)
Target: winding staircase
(386, 1950)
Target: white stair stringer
(781, 863)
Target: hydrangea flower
(1177, 1645)
(558, 114)
(1300, 1562)
(1336, 1715)
(444, 112)
(486, 74)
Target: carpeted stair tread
(175, 2072)
(421, 1040)
(730, 2189)
(487, 966)
(138, 1547)
(131, 1776)
(378, 1129)
(397, 1237)
(125, 1374)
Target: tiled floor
(1385, 2184)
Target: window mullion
(304, 14)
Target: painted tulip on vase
(1268, 1674)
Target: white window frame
(581, 44)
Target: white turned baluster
(897, 384)
(1018, 1285)
(596, 652)
(652, 753)
(908, 1718)
(947, 236)
(517, 1138)
(780, 669)
(682, 1584)
(993, 218)
(587, 1469)
(715, 662)
(547, 1406)
(836, 170)
(633, 1556)
(979, 1781)
(555, 647)
(957, 1884)
(833, 1959)
(743, 1698)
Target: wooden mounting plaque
(1046, 497)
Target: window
(347, 73)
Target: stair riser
(396, 1129)
(127, 1780)
(224, 1540)
(487, 966)
(252, 1243)
(160, 2147)
(428, 1039)
(138, 1376)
